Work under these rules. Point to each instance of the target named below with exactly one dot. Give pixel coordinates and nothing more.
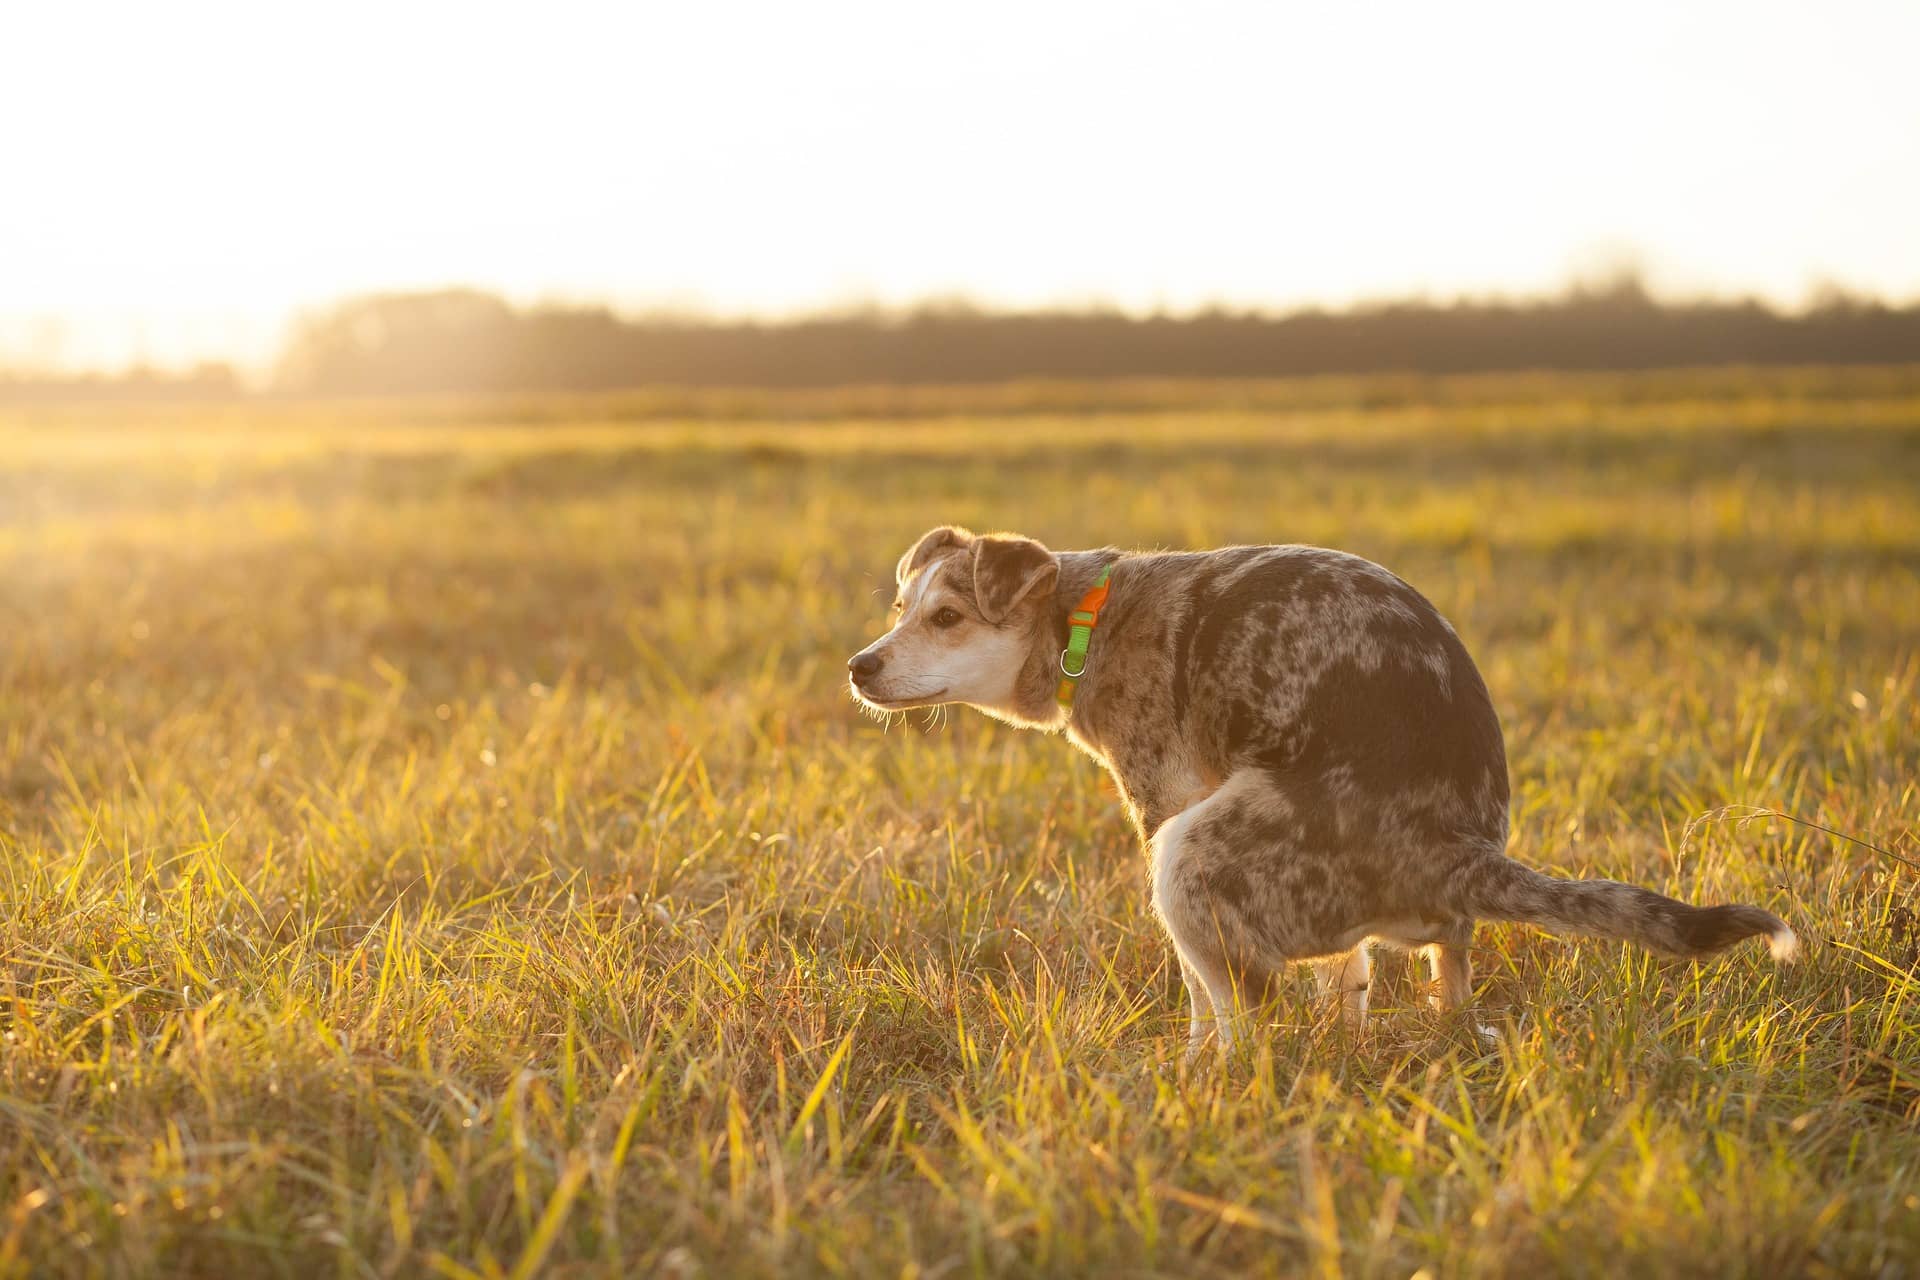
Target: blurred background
(220, 198)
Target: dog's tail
(1501, 889)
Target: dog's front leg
(1201, 1022)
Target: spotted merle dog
(1307, 751)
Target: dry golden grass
(435, 838)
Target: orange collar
(1081, 622)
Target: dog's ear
(931, 542)
(1008, 570)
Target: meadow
(435, 838)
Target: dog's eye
(947, 617)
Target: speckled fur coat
(1303, 743)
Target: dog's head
(968, 613)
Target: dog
(1309, 755)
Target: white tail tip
(1784, 944)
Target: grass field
(436, 839)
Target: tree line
(464, 341)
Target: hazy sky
(178, 177)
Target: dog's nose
(864, 666)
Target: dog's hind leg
(1452, 961)
(1350, 975)
(1214, 889)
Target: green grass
(436, 838)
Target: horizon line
(1630, 280)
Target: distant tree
(399, 342)
(206, 381)
(465, 341)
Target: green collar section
(1080, 625)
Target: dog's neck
(1078, 572)
(1040, 678)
